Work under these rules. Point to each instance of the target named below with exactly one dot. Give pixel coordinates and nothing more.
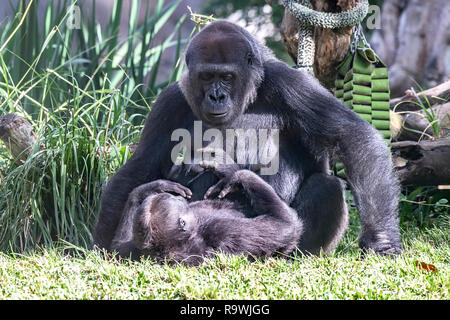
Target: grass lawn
(51, 274)
(82, 91)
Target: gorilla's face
(223, 75)
(217, 87)
(175, 229)
(166, 217)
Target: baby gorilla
(166, 226)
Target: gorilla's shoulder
(173, 93)
(170, 99)
(279, 80)
(279, 72)
(293, 84)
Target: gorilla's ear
(187, 58)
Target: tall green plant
(86, 92)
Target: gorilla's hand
(178, 170)
(214, 160)
(220, 163)
(379, 242)
(226, 185)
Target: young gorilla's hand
(172, 187)
(139, 194)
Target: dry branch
(435, 95)
(18, 135)
(422, 163)
(409, 115)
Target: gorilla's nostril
(221, 98)
(217, 98)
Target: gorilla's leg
(321, 206)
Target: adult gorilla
(234, 82)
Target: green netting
(363, 85)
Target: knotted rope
(309, 19)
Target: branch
(422, 163)
(435, 95)
(18, 135)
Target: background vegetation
(82, 89)
(87, 94)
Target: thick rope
(309, 19)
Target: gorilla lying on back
(233, 83)
(167, 227)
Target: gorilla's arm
(275, 228)
(325, 124)
(150, 160)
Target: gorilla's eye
(227, 77)
(206, 76)
(182, 223)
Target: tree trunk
(331, 45)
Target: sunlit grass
(346, 274)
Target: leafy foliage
(83, 91)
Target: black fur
(264, 93)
